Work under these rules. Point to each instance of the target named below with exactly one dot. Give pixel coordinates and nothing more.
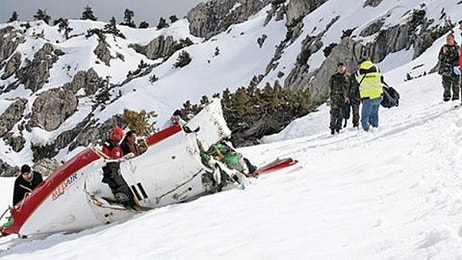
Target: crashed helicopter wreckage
(171, 170)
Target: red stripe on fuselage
(52, 185)
(159, 136)
(24, 209)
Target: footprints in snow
(433, 237)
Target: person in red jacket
(111, 146)
(111, 171)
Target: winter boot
(124, 196)
(252, 168)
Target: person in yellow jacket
(369, 81)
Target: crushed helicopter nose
(170, 171)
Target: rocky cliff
(62, 92)
(215, 16)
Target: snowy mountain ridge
(39, 61)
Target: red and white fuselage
(170, 171)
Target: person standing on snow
(449, 68)
(339, 84)
(460, 54)
(111, 171)
(353, 104)
(25, 183)
(355, 100)
(369, 81)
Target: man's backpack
(390, 97)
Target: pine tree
(254, 81)
(329, 49)
(227, 97)
(111, 28)
(304, 102)
(87, 14)
(186, 42)
(204, 100)
(187, 105)
(153, 78)
(63, 25)
(14, 17)
(252, 113)
(241, 102)
(128, 18)
(162, 24)
(277, 2)
(183, 59)
(173, 18)
(42, 15)
(143, 25)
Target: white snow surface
(394, 193)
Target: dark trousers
(349, 108)
(450, 84)
(118, 186)
(336, 116)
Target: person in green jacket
(354, 100)
(339, 84)
(233, 160)
(449, 68)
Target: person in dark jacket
(460, 49)
(111, 171)
(25, 183)
(354, 100)
(129, 144)
(449, 68)
(175, 119)
(339, 84)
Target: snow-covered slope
(390, 194)
(239, 58)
